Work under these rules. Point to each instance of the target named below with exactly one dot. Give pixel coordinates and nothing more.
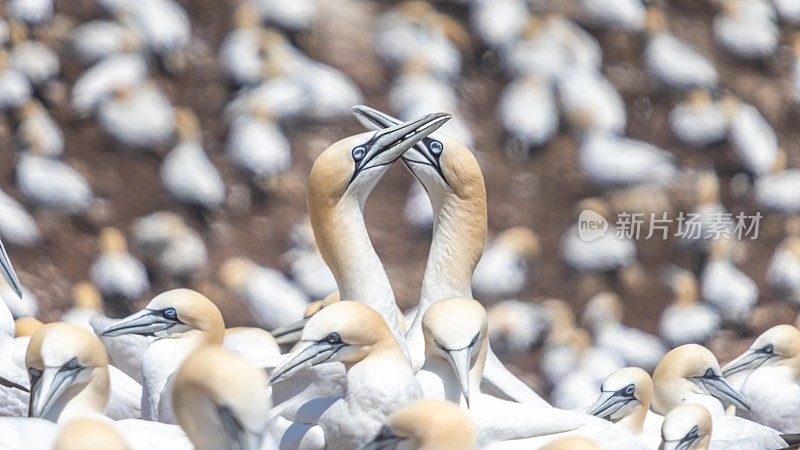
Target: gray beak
(8, 271)
(290, 333)
(749, 360)
(145, 322)
(306, 354)
(385, 440)
(389, 144)
(461, 360)
(608, 403)
(426, 152)
(240, 437)
(684, 443)
(47, 389)
(719, 388)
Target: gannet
(53, 184)
(454, 182)
(788, 11)
(272, 300)
(713, 221)
(25, 306)
(770, 369)
(38, 131)
(690, 374)
(306, 266)
(257, 146)
(187, 173)
(180, 321)
(687, 427)
(15, 89)
(379, 379)
(778, 191)
(783, 273)
(58, 355)
(418, 211)
(625, 398)
(89, 434)
(9, 274)
(456, 346)
(290, 333)
(725, 287)
(498, 23)
(752, 138)
(239, 52)
(14, 385)
(515, 327)
(17, 226)
(36, 61)
(747, 29)
(115, 272)
(672, 61)
(529, 113)
(98, 82)
(295, 15)
(589, 100)
(162, 25)
(628, 15)
(686, 320)
(609, 161)
(255, 344)
(222, 401)
(177, 250)
(26, 326)
(31, 12)
(426, 425)
(603, 316)
(699, 120)
(138, 115)
(98, 39)
(502, 272)
(340, 181)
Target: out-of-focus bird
(26, 326)
(418, 210)
(502, 272)
(590, 102)
(108, 75)
(613, 161)
(426, 425)
(628, 15)
(796, 66)
(17, 226)
(778, 191)
(699, 120)
(30, 12)
(498, 22)
(86, 304)
(15, 89)
(162, 25)
(257, 145)
(38, 132)
(89, 434)
(98, 39)
(52, 184)
(529, 113)
(307, 268)
(605, 252)
(240, 52)
(725, 287)
(186, 171)
(747, 28)
(603, 316)
(686, 320)
(115, 272)
(33, 59)
(672, 61)
(783, 273)
(170, 244)
(752, 138)
(140, 116)
(515, 327)
(293, 15)
(272, 299)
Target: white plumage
(727, 288)
(36, 61)
(677, 65)
(139, 117)
(747, 28)
(31, 12)
(528, 112)
(17, 226)
(628, 15)
(589, 100)
(115, 272)
(608, 160)
(779, 191)
(53, 184)
(15, 89)
(191, 178)
(288, 14)
(103, 78)
(95, 40)
(698, 121)
(258, 146)
(498, 22)
(418, 210)
(753, 140)
(38, 132)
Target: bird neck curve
(81, 401)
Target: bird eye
(438, 344)
(170, 313)
(436, 147)
(709, 373)
(72, 364)
(359, 153)
(333, 338)
(693, 432)
(769, 348)
(475, 339)
(34, 372)
(630, 389)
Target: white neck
(161, 359)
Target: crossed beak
(306, 354)
(290, 333)
(48, 388)
(608, 403)
(8, 271)
(385, 440)
(460, 360)
(419, 153)
(749, 360)
(719, 388)
(145, 322)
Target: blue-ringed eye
(359, 153)
(333, 338)
(630, 389)
(769, 348)
(436, 147)
(170, 313)
(710, 373)
(34, 372)
(72, 364)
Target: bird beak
(46, 390)
(8, 271)
(751, 359)
(683, 444)
(290, 333)
(719, 388)
(460, 360)
(385, 440)
(388, 144)
(306, 354)
(145, 322)
(608, 403)
(419, 153)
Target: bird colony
(185, 203)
